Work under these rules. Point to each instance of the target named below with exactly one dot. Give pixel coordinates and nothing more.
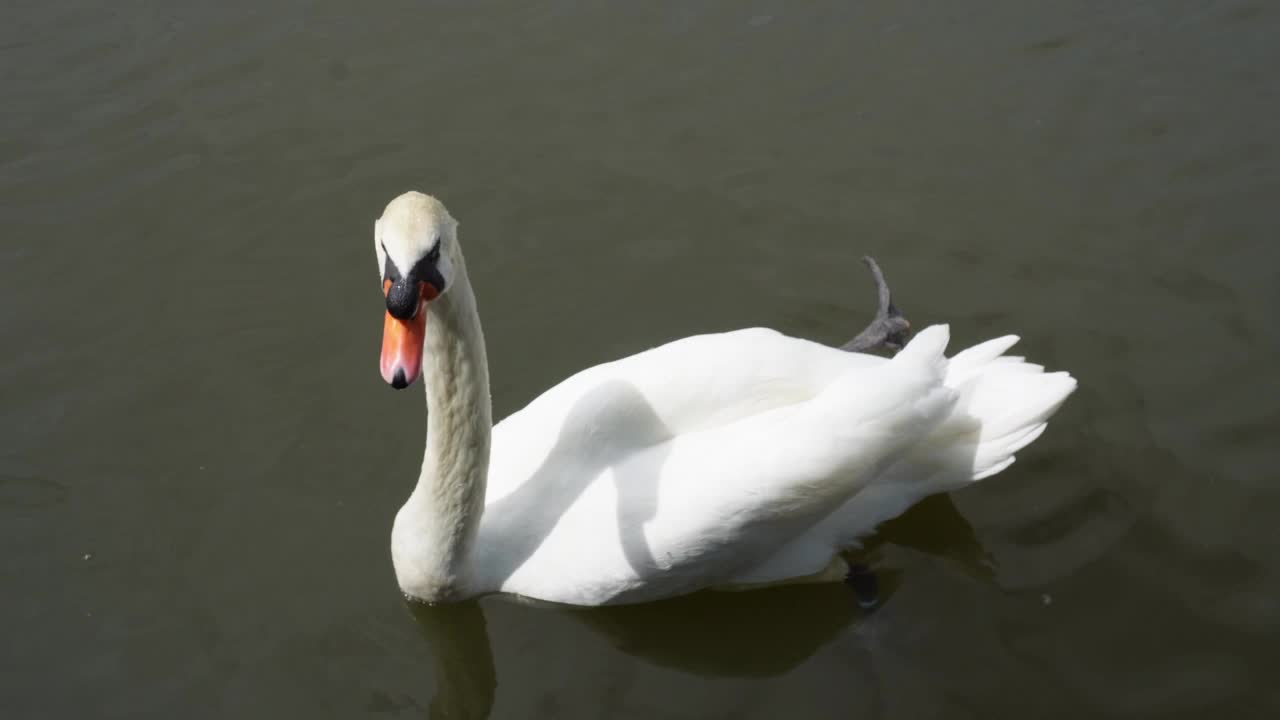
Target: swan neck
(436, 529)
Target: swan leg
(889, 329)
(864, 584)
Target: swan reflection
(761, 633)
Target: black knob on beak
(403, 299)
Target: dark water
(199, 463)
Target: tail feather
(927, 349)
(969, 362)
(1004, 404)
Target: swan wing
(645, 492)
(688, 385)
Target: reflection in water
(737, 634)
(465, 679)
(758, 633)
(935, 526)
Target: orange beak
(402, 340)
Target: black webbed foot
(864, 584)
(890, 329)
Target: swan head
(416, 243)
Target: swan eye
(426, 270)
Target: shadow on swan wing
(527, 516)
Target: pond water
(199, 463)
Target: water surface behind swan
(199, 463)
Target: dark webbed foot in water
(890, 329)
(865, 585)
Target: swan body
(735, 459)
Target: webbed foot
(864, 584)
(890, 329)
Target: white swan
(726, 460)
